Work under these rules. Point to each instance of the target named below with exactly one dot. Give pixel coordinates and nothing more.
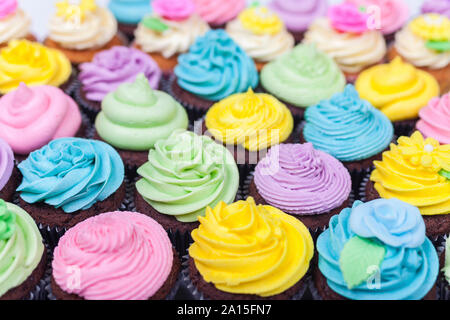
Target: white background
(40, 10)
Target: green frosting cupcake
(303, 77)
(185, 174)
(135, 116)
(21, 246)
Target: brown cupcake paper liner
(197, 295)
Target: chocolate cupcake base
(127, 30)
(436, 225)
(166, 292)
(7, 193)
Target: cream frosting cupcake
(80, 31)
(345, 36)
(170, 31)
(261, 33)
(14, 23)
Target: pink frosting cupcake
(30, 117)
(435, 119)
(116, 256)
(218, 12)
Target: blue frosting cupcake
(376, 251)
(214, 68)
(130, 11)
(348, 128)
(71, 179)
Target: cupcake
(30, 117)
(135, 117)
(129, 13)
(218, 12)
(134, 261)
(306, 183)
(393, 15)
(416, 171)
(249, 124)
(435, 118)
(169, 31)
(70, 180)
(214, 68)
(376, 251)
(22, 253)
(299, 14)
(399, 90)
(302, 77)
(350, 129)
(14, 23)
(82, 30)
(8, 173)
(184, 174)
(425, 43)
(345, 37)
(33, 64)
(245, 251)
(437, 6)
(108, 70)
(262, 35)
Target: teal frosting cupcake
(216, 67)
(303, 77)
(347, 127)
(378, 251)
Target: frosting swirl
(30, 117)
(6, 163)
(174, 9)
(111, 68)
(21, 246)
(261, 34)
(185, 174)
(111, 251)
(82, 28)
(130, 11)
(393, 13)
(431, 27)
(256, 121)
(434, 119)
(14, 22)
(33, 64)
(410, 265)
(304, 181)
(216, 67)
(134, 116)
(437, 6)
(218, 12)
(398, 89)
(175, 38)
(346, 17)
(298, 14)
(411, 172)
(249, 249)
(347, 127)
(71, 173)
(303, 77)
(352, 51)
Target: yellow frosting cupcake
(33, 64)
(416, 171)
(243, 248)
(432, 27)
(254, 120)
(398, 89)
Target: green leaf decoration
(358, 256)
(445, 174)
(155, 24)
(255, 4)
(362, 9)
(440, 46)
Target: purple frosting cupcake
(302, 181)
(108, 70)
(7, 181)
(437, 6)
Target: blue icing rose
(410, 266)
(71, 173)
(347, 127)
(216, 67)
(130, 11)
